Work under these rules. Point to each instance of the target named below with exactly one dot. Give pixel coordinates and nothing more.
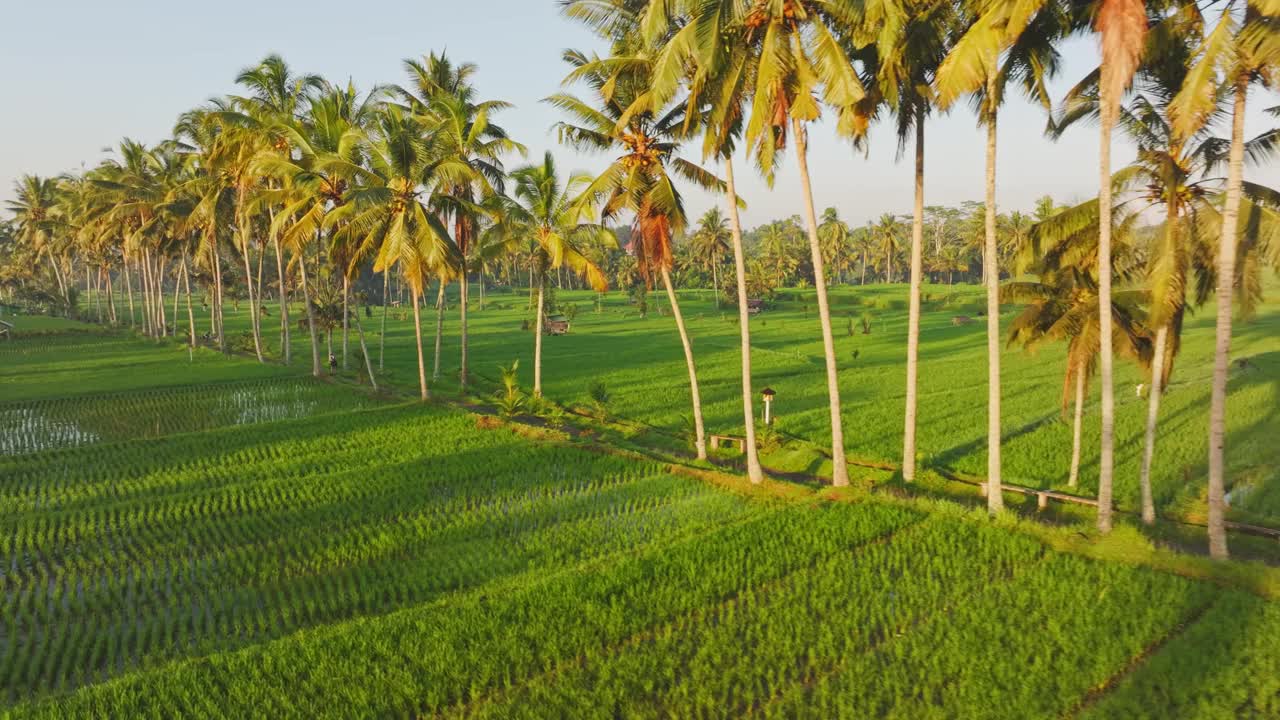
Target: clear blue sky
(77, 75)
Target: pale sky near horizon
(78, 75)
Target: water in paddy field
(25, 429)
(245, 406)
(73, 422)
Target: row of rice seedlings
(248, 510)
(151, 583)
(1091, 618)
(434, 656)
(728, 659)
(67, 422)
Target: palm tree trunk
(97, 292)
(700, 436)
(346, 313)
(1222, 344)
(62, 286)
(285, 340)
(175, 304)
(257, 308)
(1153, 413)
(417, 332)
(754, 472)
(248, 283)
(163, 321)
(386, 301)
(111, 300)
(462, 327)
(537, 343)
(863, 281)
(217, 302)
(148, 316)
(311, 315)
(382, 337)
(715, 282)
(995, 497)
(186, 284)
(1106, 460)
(364, 350)
(149, 293)
(435, 370)
(1077, 429)
(913, 315)
(128, 289)
(839, 466)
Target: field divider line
(890, 635)
(1098, 693)
(710, 609)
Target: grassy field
(348, 557)
(641, 363)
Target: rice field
(640, 361)
(350, 557)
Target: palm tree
(711, 242)
(386, 212)
(34, 200)
(1122, 25)
(835, 237)
(277, 98)
(888, 238)
(778, 250)
(718, 81)
(640, 180)
(794, 57)
(1172, 172)
(551, 215)
(1242, 49)
(1062, 303)
(909, 46)
(463, 128)
(1024, 38)
(325, 157)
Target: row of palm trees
(411, 178)
(875, 252)
(759, 72)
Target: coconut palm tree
(464, 129)
(641, 180)
(325, 156)
(835, 237)
(1122, 25)
(278, 97)
(910, 42)
(386, 212)
(717, 81)
(550, 214)
(1062, 302)
(1173, 173)
(888, 241)
(1004, 41)
(777, 250)
(1240, 50)
(711, 243)
(34, 199)
(795, 59)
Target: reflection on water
(244, 406)
(25, 429)
(48, 425)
